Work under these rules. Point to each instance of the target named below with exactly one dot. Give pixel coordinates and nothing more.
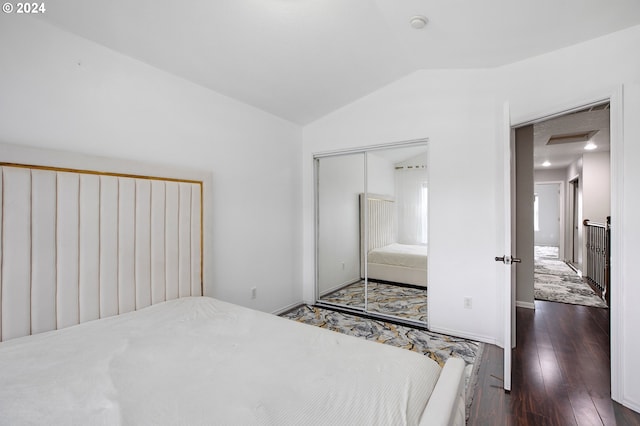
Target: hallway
(561, 372)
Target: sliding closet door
(340, 180)
(371, 231)
(396, 232)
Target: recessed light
(546, 164)
(418, 22)
(590, 146)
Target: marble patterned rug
(403, 302)
(438, 347)
(549, 252)
(554, 281)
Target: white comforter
(203, 361)
(408, 256)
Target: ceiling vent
(571, 137)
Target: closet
(371, 217)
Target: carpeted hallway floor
(555, 281)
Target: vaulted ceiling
(301, 59)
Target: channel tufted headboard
(379, 222)
(78, 245)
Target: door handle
(508, 260)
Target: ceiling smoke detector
(418, 22)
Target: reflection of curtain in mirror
(411, 201)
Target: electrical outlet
(254, 290)
(468, 303)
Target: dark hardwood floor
(561, 372)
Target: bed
(386, 259)
(198, 360)
(103, 321)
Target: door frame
(615, 96)
(574, 218)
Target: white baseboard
(632, 405)
(527, 305)
(464, 335)
(287, 308)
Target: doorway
(582, 164)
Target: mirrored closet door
(340, 180)
(371, 231)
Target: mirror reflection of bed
(373, 205)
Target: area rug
(554, 281)
(549, 252)
(400, 301)
(438, 347)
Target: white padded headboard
(79, 245)
(381, 223)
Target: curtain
(411, 200)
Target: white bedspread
(203, 361)
(409, 256)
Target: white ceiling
(595, 119)
(301, 59)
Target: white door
(508, 286)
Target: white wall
(548, 233)
(596, 193)
(59, 91)
(596, 197)
(460, 112)
(380, 175)
(550, 175)
(456, 110)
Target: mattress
(408, 256)
(202, 361)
